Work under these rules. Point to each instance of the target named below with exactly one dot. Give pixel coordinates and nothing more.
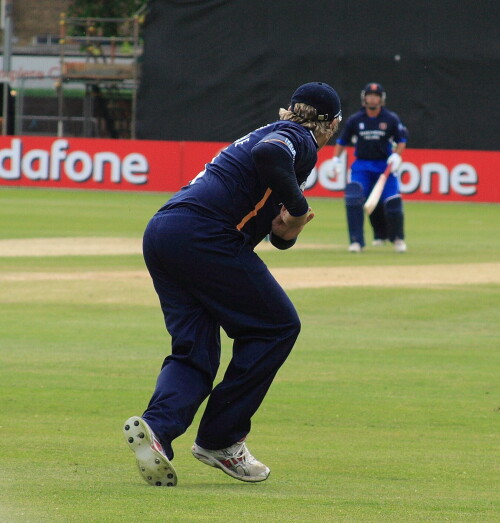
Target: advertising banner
(426, 174)
(144, 165)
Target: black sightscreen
(215, 69)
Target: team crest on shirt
(382, 126)
(361, 125)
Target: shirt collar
(314, 138)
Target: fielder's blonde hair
(306, 115)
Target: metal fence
(46, 107)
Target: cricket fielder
(375, 129)
(199, 250)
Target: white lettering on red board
(461, 179)
(77, 166)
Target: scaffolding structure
(109, 73)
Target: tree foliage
(103, 9)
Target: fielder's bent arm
(276, 166)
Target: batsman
(380, 139)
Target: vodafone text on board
(79, 166)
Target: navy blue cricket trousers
(206, 278)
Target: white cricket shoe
(400, 245)
(153, 464)
(236, 461)
(355, 247)
(378, 243)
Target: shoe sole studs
(151, 466)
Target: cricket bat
(374, 196)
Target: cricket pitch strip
(290, 278)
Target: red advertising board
(143, 165)
(426, 174)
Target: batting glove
(395, 161)
(337, 166)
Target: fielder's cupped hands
(288, 227)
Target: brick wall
(36, 17)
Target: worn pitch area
(290, 278)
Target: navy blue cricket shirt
(373, 134)
(233, 190)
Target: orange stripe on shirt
(275, 140)
(257, 208)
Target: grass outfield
(388, 408)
